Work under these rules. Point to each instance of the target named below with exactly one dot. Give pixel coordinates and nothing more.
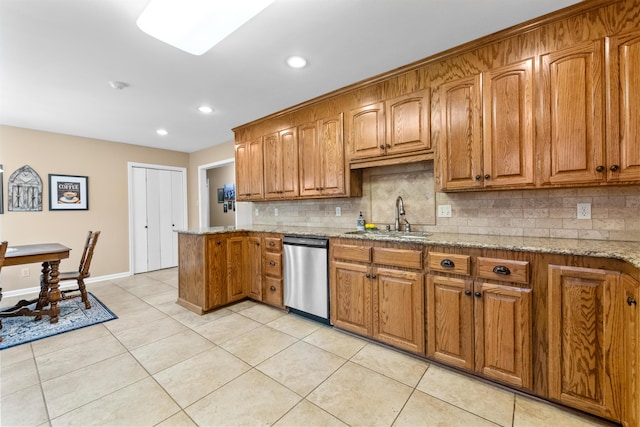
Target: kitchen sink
(398, 234)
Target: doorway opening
(216, 211)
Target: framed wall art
(25, 190)
(68, 193)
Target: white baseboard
(36, 289)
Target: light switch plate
(338, 211)
(444, 211)
(275, 211)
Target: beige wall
(105, 163)
(210, 155)
(218, 177)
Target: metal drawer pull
(501, 269)
(447, 263)
(272, 244)
(272, 288)
(478, 295)
(631, 301)
(272, 263)
(467, 293)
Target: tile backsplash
(615, 210)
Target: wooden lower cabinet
(593, 341)
(236, 269)
(379, 292)
(480, 326)
(272, 279)
(253, 262)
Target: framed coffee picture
(68, 193)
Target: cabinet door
(351, 297)
(330, 156)
(572, 139)
(508, 125)
(630, 374)
(217, 274)
(281, 164)
(398, 308)
(253, 262)
(623, 128)
(461, 140)
(249, 170)
(309, 164)
(272, 292)
(408, 119)
(366, 138)
(450, 321)
(235, 269)
(503, 333)
(581, 347)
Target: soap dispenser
(360, 222)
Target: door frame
(130, 166)
(204, 215)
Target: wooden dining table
(50, 255)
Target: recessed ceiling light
(118, 85)
(162, 132)
(205, 109)
(296, 62)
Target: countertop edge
(627, 251)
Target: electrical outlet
(338, 211)
(25, 272)
(444, 211)
(257, 211)
(584, 211)
(275, 211)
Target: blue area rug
(73, 315)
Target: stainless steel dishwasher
(306, 276)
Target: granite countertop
(622, 250)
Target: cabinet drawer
(273, 244)
(450, 263)
(272, 292)
(352, 252)
(272, 264)
(503, 269)
(406, 258)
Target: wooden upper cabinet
(623, 112)
(572, 115)
(407, 123)
(367, 138)
(508, 145)
(322, 164)
(461, 140)
(395, 127)
(248, 156)
(281, 164)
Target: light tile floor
(248, 364)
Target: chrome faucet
(399, 211)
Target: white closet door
(139, 206)
(166, 222)
(154, 224)
(177, 211)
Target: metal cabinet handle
(368, 276)
(467, 293)
(447, 263)
(272, 288)
(614, 168)
(373, 276)
(501, 269)
(478, 177)
(487, 176)
(478, 295)
(218, 243)
(631, 301)
(600, 168)
(272, 244)
(388, 145)
(272, 263)
(382, 146)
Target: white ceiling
(57, 57)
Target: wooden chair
(82, 273)
(3, 251)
